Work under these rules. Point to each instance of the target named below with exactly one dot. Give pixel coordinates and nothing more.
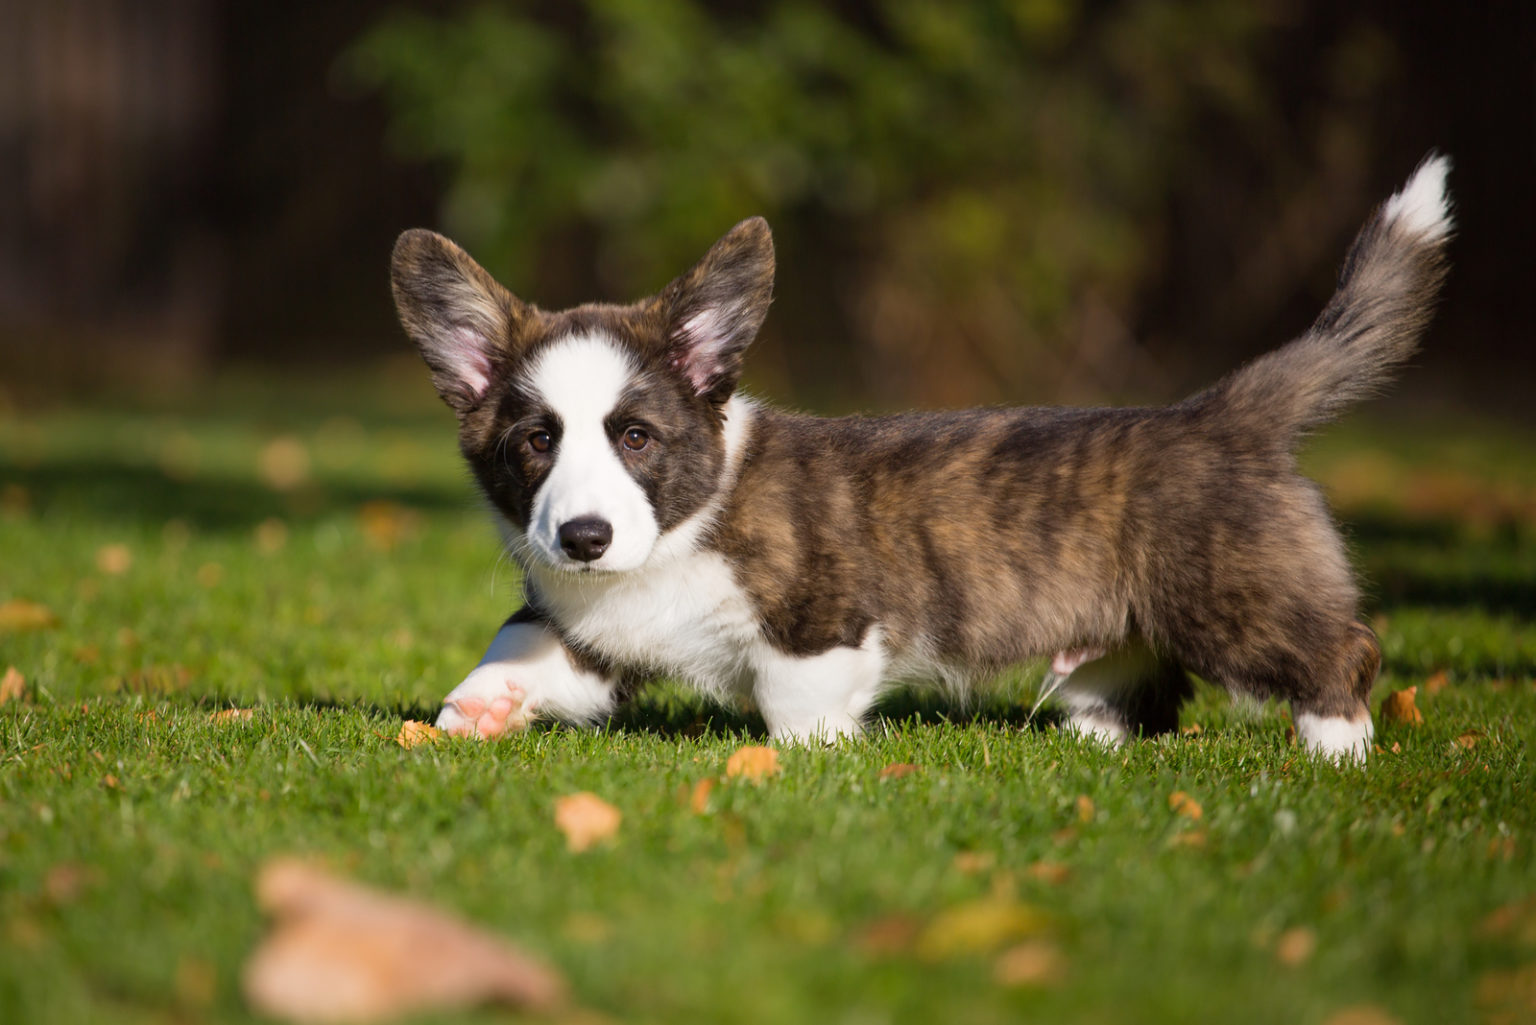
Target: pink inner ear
(703, 339)
(467, 359)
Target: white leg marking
(1422, 208)
(581, 380)
(820, 698)
(1343, 740)
(1091, 686)
(525, 673)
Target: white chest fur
(687, 618)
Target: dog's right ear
(464, 323)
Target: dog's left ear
(714, 310)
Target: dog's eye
(635, 439)
(539, 441)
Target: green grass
(131, 824)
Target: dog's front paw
(487, 704)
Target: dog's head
(594, 430)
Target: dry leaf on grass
(339, 951)
(1295, 946)
(896, 770)
(753, 763)
(227, 715)
(1508, 997)
(1184, 805)
(971, 862)
(20, 616)
(114, 560)
(698, 798)
(1437, 682)
(893, 934)
(13, 686)
(1399, 707)
(1469, 739)
(1085, 809)
(586, 819)
(977, 927)
(1360, 1014)
(1053, 872)
(1031, 963)
(413, 732)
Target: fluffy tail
(1384, 300)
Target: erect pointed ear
(714, 310)
(464, 323)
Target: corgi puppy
(667, 525)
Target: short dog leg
(525, 673)
(1127, 692)
(1337, 721)
(819, 697)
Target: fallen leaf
(385, 524)
(1295, 946)
(1032, 963)
(20, 616)
(1360, 1014)
(896, 770)
(231, 715)
(1192, 730)
(972, 862)
(1190, 838)
(1508, 997)
(1182, 804)
(109, 781)
(284, 463)
(413, 732)
(586, 819)
(1437, 682)
(271, 535)
(893, 934)
(13, 686)
(65, 881)
(1469, 739)
(339, 951)
(1516, 920)
(196, 981)
(1399, 707)
(1085, 809)
(977, 927)
(114, 560)
(209, 574)
(1053, 872)
(698, 798)
(753, 763)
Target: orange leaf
(19, 616)
(343, 952)
(413, 732)
(586, 819)
(896, 770)
(1085, 809)
(1183, 804)
(231, 715)
(1053, 872)
(1360, 1014)
(977, 927)
(1436, 683)
(1295, 946)
(12, 686)
(1031, 963)
(114, 560)
(971, 862)
(1469, 740)
(1399, 707)
(753, 763)
(1191, 838)
(698, 800)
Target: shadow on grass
(1437, 562)
(121, 492)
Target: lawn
(315, 555)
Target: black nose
(586, 538)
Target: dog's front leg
(818, 697)
(526, 673)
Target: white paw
(1343, 740)
(488, 703)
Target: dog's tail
(1384, 300)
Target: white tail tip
(1422, 206)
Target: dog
(667, 525)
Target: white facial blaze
(581, 380)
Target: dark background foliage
(1010, 200)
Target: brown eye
(635, 439)
(539, 441)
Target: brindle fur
(986, 537)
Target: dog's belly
(689, 619)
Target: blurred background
(1011, 200)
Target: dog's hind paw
(486, 704)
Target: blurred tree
(984, 177)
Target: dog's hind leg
(1333, 717)
(1128, 692)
